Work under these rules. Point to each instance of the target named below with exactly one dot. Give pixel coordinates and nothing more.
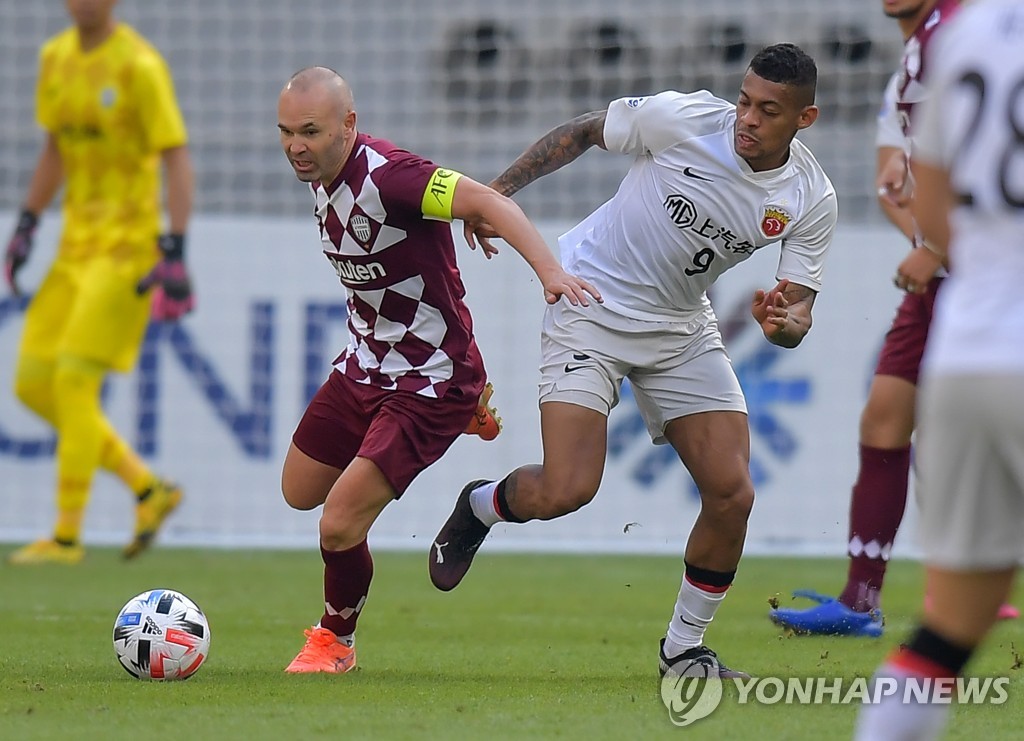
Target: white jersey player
(968, 164)
(710, 183)
(690, 208)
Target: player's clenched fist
(172, 288)
(19, 248)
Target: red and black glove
(172, 289)
(19, 248)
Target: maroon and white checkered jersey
(409, 328)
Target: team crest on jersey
(360, 227)
(107, 97)
(775, 221)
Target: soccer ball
(161, 634)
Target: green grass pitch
(529, 646)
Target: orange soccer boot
(323, 653)
(486, 423)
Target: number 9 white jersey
(690, 208)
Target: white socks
(892, 719)
(481, 499)
(695, 609)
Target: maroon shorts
(400, 431)
(904, 343)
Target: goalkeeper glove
(172, 294)
(19, 248)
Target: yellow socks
(76, 384)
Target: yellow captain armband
(440, 192)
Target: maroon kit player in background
(879, 494)
(409, 382)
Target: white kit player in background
(711, 182)
(878, 497)
(968, 162)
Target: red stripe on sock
(914, 663)
(497, 509)
(707, 587)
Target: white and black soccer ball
(161, 634)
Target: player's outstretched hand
(770, 309)
(19, 248)
(480, 232)
(558, 283)
(172, 289)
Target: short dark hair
(786, 64)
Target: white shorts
(676, 369)
(970, 471)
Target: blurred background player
(106, 102)
(969, 199)
(879, 495)
(410, 380)
(710, 183)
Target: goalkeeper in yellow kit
(106, 101)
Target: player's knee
(337, 534)
(729, 503)
(873, 420)
(31, 393)
(885, 431)
(887, 421)
(76, 377)
(33, 386)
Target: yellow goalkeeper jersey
(112, 111)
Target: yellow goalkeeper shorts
(89, 309)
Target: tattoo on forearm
(557, 148)
(796, 294)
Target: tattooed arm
(784, 312)
(557, 148)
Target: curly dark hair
(787, 64)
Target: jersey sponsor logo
(775, 221)
(686, 216)
(354, 273)
(681, 210)
(86, 132)
(635, 102)
(360, 227)
(690, 173)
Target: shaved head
(323, 81)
